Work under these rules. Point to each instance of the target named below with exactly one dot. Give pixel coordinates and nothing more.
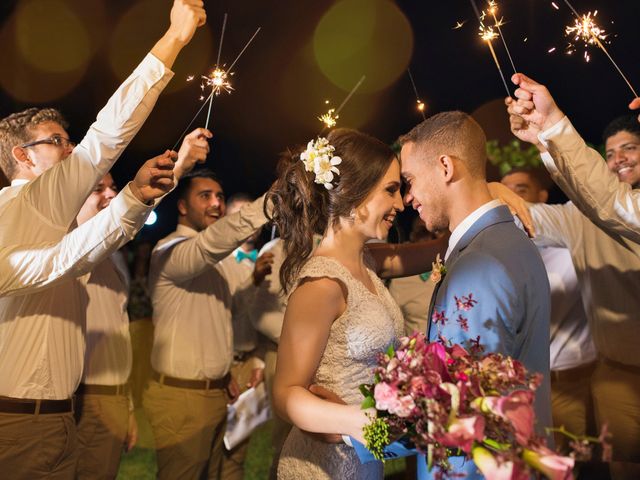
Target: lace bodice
(368, 325)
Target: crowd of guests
(219, 301)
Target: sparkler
(586, 30)
(420, 104)
(488, 34)
(218, 79)
(331, 117)
(493, 8)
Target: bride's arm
(311, 310)
(402, 260)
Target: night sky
(72, 54)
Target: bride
(339, 314)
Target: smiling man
(186, 401)
(444, 164)
(622, 145)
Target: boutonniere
(437, 270)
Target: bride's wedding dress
(368, 325)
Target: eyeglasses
(57, 140)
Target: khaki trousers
(102, 423)
(38, 446)
(616, 398)
(188, 427)
(280, 427)
(572, 404)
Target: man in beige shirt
(608, 269)
(104, 408)
(41, 334)
(186, 401)
(599, 192)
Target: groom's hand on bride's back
(328, 395)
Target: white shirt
(108, 355)
(467, 223)
(269, 303)
(240, 280)
(41, 334)
(571, 343)
(192, 299)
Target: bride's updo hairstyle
(302, 208)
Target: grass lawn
(140, 463)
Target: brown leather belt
(34, 407)
(209, 384)
(573, 374)
(85, 389)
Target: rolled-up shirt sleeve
(584, 177)
(28, 268)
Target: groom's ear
(446, 167)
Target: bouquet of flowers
(451, 400)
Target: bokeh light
(363, 37)
(47, 46)
(140, 28)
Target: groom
(444, 162)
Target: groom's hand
(329, 396)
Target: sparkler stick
(493, 8)
(586, 28)
(218, 79)
(330, 118)
(415, 89)
(488, 35)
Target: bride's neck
(344, 244)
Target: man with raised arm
(596, 190)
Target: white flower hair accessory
(319, 159)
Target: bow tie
(241, 255)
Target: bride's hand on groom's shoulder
(517, 205)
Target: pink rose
(463, 432)
(436, 275)
(386, 396)
(404, 407)
(552, 465)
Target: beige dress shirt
(608, 271)
(269, 303)
(192, 299)
(108, 356)
(41, 334)
(584, 176)
(240, 280)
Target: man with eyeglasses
(41, 334)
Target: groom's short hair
(452, 133)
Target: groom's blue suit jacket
(496, 263)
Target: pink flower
(436, 276)
(404, 406)
(552, 465)
(386, 396)
(463, 432)
(494, 469)
(516, 408)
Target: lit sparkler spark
(218, 80)
(459, 25)
(586, 29)
(190, 77)
(330, 119)
(555, 5)
(590, 33)
(487, 33)
(421, 106)
(551, 50)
